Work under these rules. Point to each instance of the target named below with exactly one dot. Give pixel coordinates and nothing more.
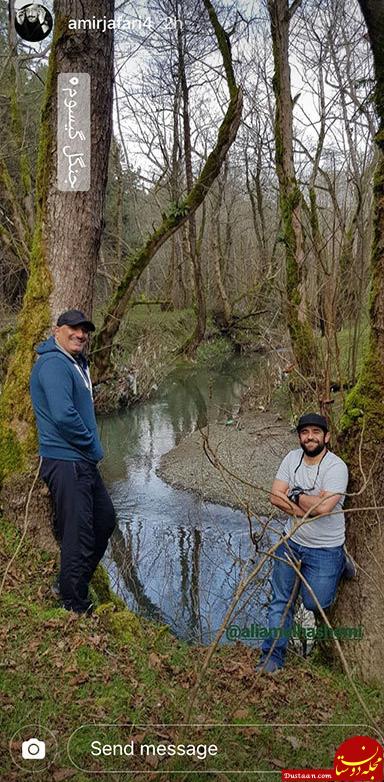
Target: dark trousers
(84, 519)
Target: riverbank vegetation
(150, 346)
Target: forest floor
(60, 671)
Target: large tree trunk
(300, 329)
(68, 226)
(73, 221)
(361, 602)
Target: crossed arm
(313, 505)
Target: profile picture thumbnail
(33, 22)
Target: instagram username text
(135, 24)
(320, 632)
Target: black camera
(295, 494)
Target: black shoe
(86, 611)
(269, 666)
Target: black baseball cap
(312, 419)
(75, 318)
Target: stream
(174, 557)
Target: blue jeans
(321, 567)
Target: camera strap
(317, 471)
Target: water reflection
(175, 558)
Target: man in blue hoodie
(84, 517)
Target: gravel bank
(251, 448)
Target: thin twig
(25, 528)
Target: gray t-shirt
(329, 475)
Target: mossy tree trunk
(176, 216)
(300, 329)
(361, 602)
(68, 225)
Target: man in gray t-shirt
(327, 475)
(311, 481)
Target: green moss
(301, 332)
(11, 458)
(127, 627)
(101, 586)
(89, 659)
(17, 431)
(224, 44)
(366, 402)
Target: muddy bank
(251, 449)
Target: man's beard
(314, 451)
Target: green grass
(63, 671)
(214, 353)
(342, 369)
(148, 324)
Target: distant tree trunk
(361, 601)
(224, 304)
(326, 297)
(201, 315)
(300, 329)
(349, 279)
(119, 202)
(256, 197)
(68, 225)
(175, 288)
(188, 264)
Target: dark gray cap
(75, 318)
(312, 419)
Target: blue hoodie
(63, 405)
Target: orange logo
(359, 759)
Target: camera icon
(33, 749)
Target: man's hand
(321, 504)
(278, 497)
